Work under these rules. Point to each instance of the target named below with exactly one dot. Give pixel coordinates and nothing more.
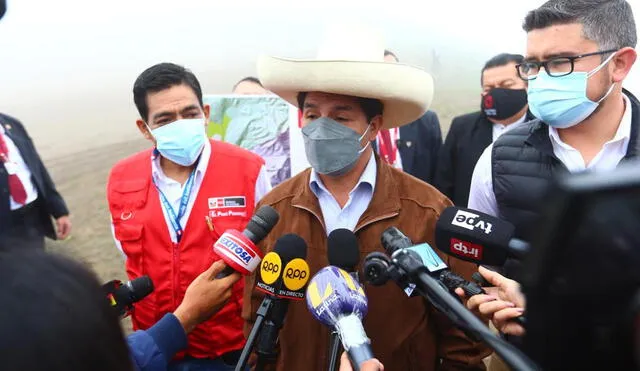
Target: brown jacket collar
(384, 204)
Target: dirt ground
(81, 179)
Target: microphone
(122, 296)
(338, 301)
(394, 240)
(405, 266)
(239, 250)
(343, 252)
(283, 275)
(477, 237)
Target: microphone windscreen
(141, 287)
(473, 236)
(393, 239)
(290, 246)
(262, 222)
(333, 293)
(342, 249)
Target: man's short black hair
(371, 107)
(499, 60)
(252, 79)
(389, 52)
(55, 316)
(160, 77)
(610, 23)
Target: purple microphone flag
(333, 294)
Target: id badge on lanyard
(184, 201)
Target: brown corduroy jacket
(406, 333)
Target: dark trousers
(25, 231)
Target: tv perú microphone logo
(471, 221)
(466, 249)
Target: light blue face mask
(181, 141)
(562, 102)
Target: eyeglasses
(556, 67)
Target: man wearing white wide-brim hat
(346, 96)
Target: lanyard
(184, 200)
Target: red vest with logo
(140, 226)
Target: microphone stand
(457, 312)
(267, 344)
(336, 343)
(262, 313)
(334, 348)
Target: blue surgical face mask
(332, 148)
(181, 141)
(562, 102)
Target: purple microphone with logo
(338, 301)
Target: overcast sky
(65, 62)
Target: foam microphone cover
(140, 287)
(290, 246)
(333, 293)
(262, 222)
(342, 249)
(484, 234)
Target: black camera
(582, 276)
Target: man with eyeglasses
(578, 54)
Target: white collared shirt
(360, 196)
(173, 190)
(499, 129)
(19, 167)
(482, 198)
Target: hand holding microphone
(239, 250)
(483, 239)
(370, 365)
(503, 305)
(205, 296)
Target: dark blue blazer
(50, 203)
(419, 145)
(467, 138)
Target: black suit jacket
(50, 203)
(419, 145)
(468, 137)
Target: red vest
(140, 226)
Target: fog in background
(67, 66)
